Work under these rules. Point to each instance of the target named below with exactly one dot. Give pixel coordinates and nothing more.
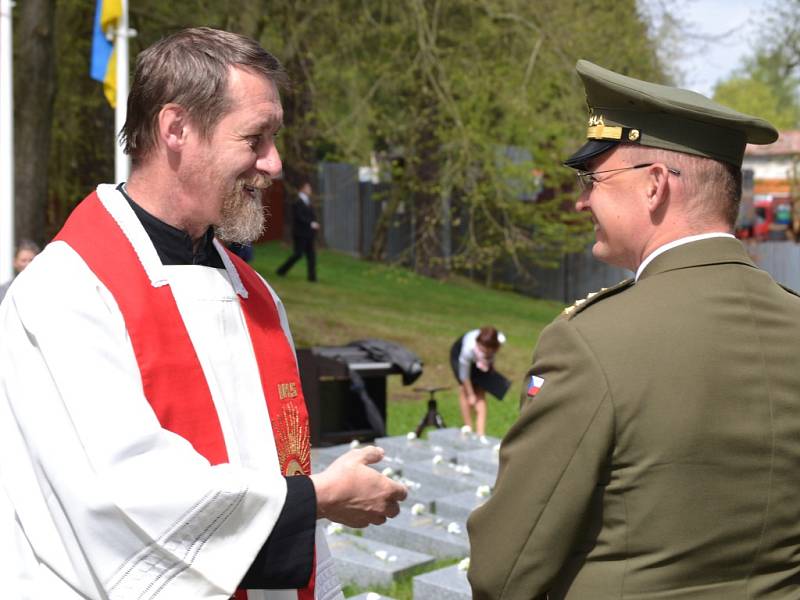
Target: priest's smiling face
(230, 170)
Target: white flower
(411, 435)
(354, 444)
(392, 558)
(466, 430)
(382, 554)
(463, 565)
(437, 459)
(334, 528)
(373, 596)
(438, 449)
(412, 485)
(483, 491)
(454, 528)
(463, 469)
(417, 509)
(388, 471)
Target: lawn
(356, 299)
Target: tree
(754, 96)
(437, 92)
(767, 82)
(81, 154)
(34, 91)
(439, 89)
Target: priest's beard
(243, 218)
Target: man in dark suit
(304, 230)
(657, 452)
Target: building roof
(787, 144)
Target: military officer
(657, 452)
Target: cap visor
(587, 152)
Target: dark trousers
(302, 246)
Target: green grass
(402, 588)
(357, 299)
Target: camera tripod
(432, 417)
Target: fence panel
(341, 211)
(351, 211)
(780, 259)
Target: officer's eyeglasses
(587, 180)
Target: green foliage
(766, 85)
(81, 151)
(757, 97)
(432, 91)
(438, 88)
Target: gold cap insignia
(599, 131)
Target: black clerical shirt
(287, 557)
(174, 246)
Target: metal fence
(341, 214)
(351, 211)
(780, 259)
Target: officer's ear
(657, 187)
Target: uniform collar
(709, 250)
(679, 242)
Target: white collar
(304, 197)
(115, 203)
(679, 242)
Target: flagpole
(122, 165)
(6, 143)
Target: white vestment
(97, 500)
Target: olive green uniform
(661, 457)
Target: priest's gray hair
(190, 68)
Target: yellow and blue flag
(102, 68)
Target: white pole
(6, 143)
(122, 165)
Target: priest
(154, 441)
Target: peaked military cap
(628, 110)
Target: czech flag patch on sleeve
(534, 385)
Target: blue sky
(704, 63)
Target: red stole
(174, 383)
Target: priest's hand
(352, 493)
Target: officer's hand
(352, 493)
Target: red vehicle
(772, 218)
(764, 216)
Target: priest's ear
(173, 126)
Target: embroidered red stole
(173, 380)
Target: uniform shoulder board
(593, 297)
(790, 290)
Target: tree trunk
(425, 165)
(34, 93)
